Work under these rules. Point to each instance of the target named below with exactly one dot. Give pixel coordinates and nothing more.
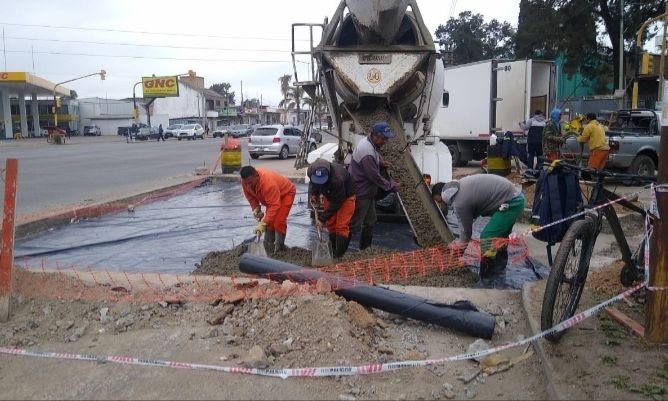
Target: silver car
(276, 140)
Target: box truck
(490, 96)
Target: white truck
(490, 96)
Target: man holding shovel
(267, 188)
(335, 184)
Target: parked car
(633, 137)
(191, 131)
(315, 132)
(172, 131)
(92, 130)
(276, 140)
(236, 131)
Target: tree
(471, 39)
(223, 89)
(319, 105)
(572, 27)
(293, 100)
(285, 81)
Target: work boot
(487, 266)
(366, 238)
(501, 260)
(269, 239)
(341, 246)
(280, 242)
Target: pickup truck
(634, 142)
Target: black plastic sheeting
(174, 234)
(461, 316)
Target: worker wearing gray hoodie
(484, 195)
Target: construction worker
(552, 139)
(483, 195)
(534, 127)
(335, 184)
(594, 134)
(267, 188)
(365, 168)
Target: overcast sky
(223, 41)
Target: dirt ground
(601, 359)
(318, 329)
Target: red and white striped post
(7, 247)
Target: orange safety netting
(53, 281)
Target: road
(99, 169)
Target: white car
(277, 140)
(191, 131)
(172, 131)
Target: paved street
(99, 169)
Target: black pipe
(462, 316)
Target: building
(27, 117)
(194, 104)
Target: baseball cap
(320, 176)
(381, 127)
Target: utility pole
(242, 102)
(656, 324)
(620, 80)
(662, 62)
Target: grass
(620, 382)
(663, 373)
(609, 360)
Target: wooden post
(656, 325)
(7, 247)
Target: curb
(539, 346)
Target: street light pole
(102, 75)
(135, 114)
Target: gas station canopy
(24, 82)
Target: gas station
(19, 85)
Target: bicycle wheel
(567, 276)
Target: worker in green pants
(484, 195)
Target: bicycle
(569, 270)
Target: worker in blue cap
(333, 182)
(365, 168)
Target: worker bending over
(335, 184)
(365, 170)
(267, 188)
(484, 195)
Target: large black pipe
(462, 316)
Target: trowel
(321, 253)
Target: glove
(318, 224)
(261, 228)
(257, 213)
(314, 201)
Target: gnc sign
(160, 86)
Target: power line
(145, 45)
(143, 32)
(151, 58)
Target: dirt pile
(316, 328)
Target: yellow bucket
(230, 156)
(495, 163)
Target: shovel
(321, 254)
(257, 247)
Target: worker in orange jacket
(267, 188)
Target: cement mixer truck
(376, 60)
